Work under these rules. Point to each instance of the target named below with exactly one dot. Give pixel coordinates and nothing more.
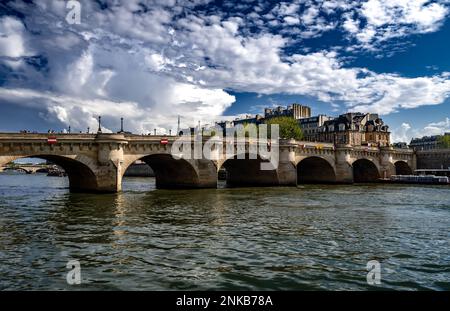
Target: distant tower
(178, 128)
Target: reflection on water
(310, 237)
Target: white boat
(420, 179)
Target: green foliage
(444, 141)
(289, 127)
(246, 126)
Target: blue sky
(149, 61)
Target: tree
(247, 128)
(289, 127)
(444, 141)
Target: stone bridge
(29, 169)
(97, 162)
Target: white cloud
(310, 15)
(290, 20)
(190, 102)
(437, 128)
(285, 8)
(425, 16)
(385, 20)
(401, 134)
(158, 63)
(255, 64)
(368, 23)
(12, 42)
(350, 25)
(405, 132)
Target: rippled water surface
(305, 238)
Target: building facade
(428, 142)
(258, 119)
(356, 129)
(400, 145)
(311, 126)
(296, 111)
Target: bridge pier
(287, 174)
(344, 171)
(110, 156)
(287, 171)
(387, 166)
(207, 174)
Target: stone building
(356, 129)
(296, 111)
(427, 142)
(311, 126)
(258, 119)
(400, 145)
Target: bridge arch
(315, 169)
(365, 170)
(402, 168)
(20, 169)
(170, 173)
(81, 175)
(246, 172)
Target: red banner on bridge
(164, 141)
(52, 140)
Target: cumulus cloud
(255, 64)
(367, 24)
(406, 132)
(150, 61)
(437, 128)
(385, 20)
(12, 42)
(80, 113)
(402, 133)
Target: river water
(305, 238)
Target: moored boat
(418, 179)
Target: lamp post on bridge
(99, 124)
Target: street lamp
(99, 124)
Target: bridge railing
(134, 138)
(25, 136)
